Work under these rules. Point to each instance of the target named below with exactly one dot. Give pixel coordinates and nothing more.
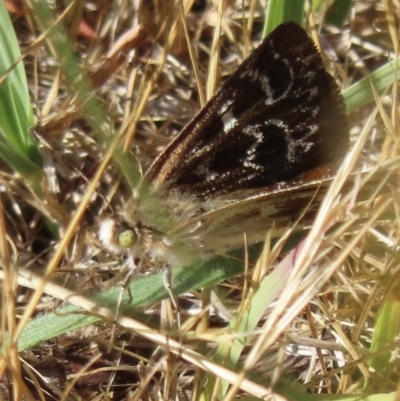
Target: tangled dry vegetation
(321, 309)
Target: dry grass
(318, 309)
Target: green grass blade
(361, 92)
(146, 291)
(386, 331)
(17, 147)
(338, 12)
(279, 11)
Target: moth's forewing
(278, 115)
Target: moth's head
(117, 235)
(135, 232)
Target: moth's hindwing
(256, 212)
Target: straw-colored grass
(301, 318)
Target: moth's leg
(167, 279)
(133, 271)
(134, 267)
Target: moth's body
(251, 160)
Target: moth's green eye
(127, 239)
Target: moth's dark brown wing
(278, 115)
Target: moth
(256, 157)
